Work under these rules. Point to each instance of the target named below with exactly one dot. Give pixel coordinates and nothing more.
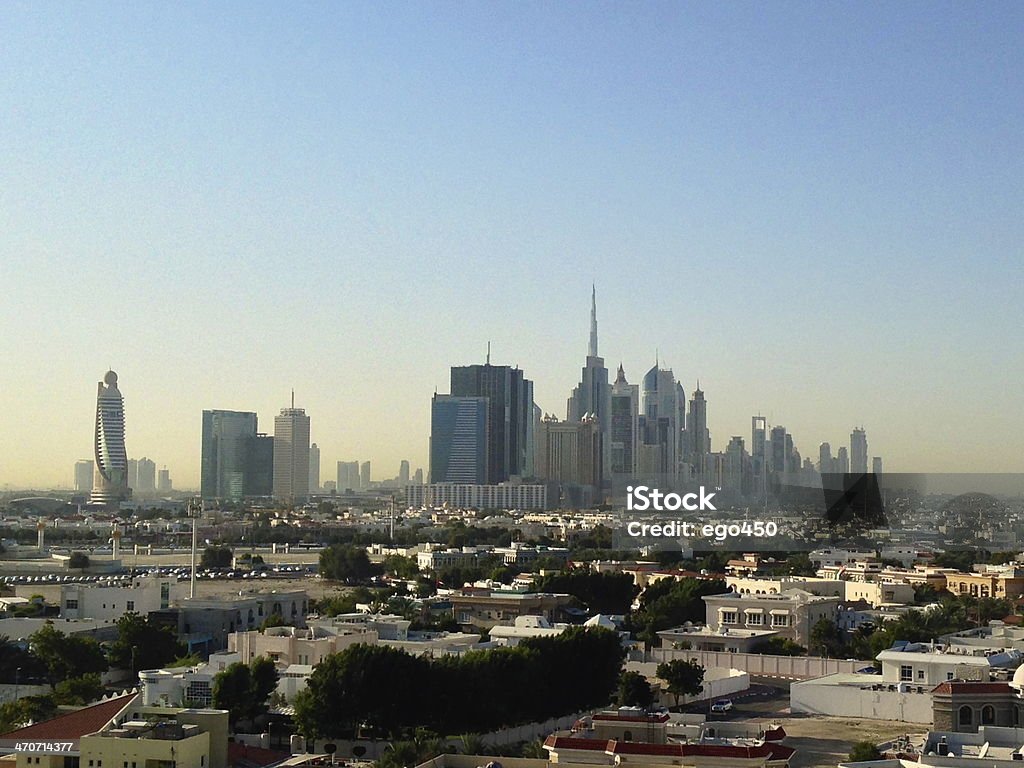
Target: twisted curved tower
(111, 481)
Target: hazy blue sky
(814, 207)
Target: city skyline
(813, 212)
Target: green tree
(231, 691)
(244, 690)
(669, 603)
(141, 644)
(27, 709)
(683, 677)
(216, 557)
(634, 691)
(600, 592)
(401, 567)
(78, 691)
(273, 620)
(864, 751)
(78, 561)
(264, 678)
(66, 657)
(779, 646)
(346, 563)
(826, 638)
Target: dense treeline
(601, 592)
(392, 693)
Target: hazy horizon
(814, 209)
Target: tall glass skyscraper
(110, 484)
(509, 416)
(458, 439)
(226, 453)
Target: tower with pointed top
(291, 454)
(698, 438)
(592, 396)
(625, 413)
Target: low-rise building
(482, 609)
(999, 581)
(691, 637)
(791, 613)
(109, 602)
(929, 664)
(294, 645)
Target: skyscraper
(842, 462)
(314, 468)
(569, 453)
(758, 455)
(698, 437)
(779, 454)
(163, 481)
(364, 475)
(417, 477)
(403, 472)
(259, 470)
(348, 476)
(458, 439)
(510, 411)
(110, 484)
(876, 465)
(133, 474)
(592, 396)
(625, 415)
(83, 476)
(661, 427)
(147, 475)
(291, 454)
(858, 451)
(736, 472)
(226, 453)
(825, 462)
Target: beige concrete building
(791, 613)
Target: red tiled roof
(775, 734)
(240, 753)
(73, 725)
(959, 686)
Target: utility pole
(193, 512)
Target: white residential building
(110, 602)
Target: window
(780, 620)
(966, 716)
(627, 736)
(949, 675)
(988, 715)
(920, 674)
(71, 604)
(728, 617)
(755, 619)
(906, 672)
(131, 605)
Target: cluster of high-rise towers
(488, 431)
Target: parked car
(722, 706)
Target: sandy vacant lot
(825, 741)
(315, 588)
